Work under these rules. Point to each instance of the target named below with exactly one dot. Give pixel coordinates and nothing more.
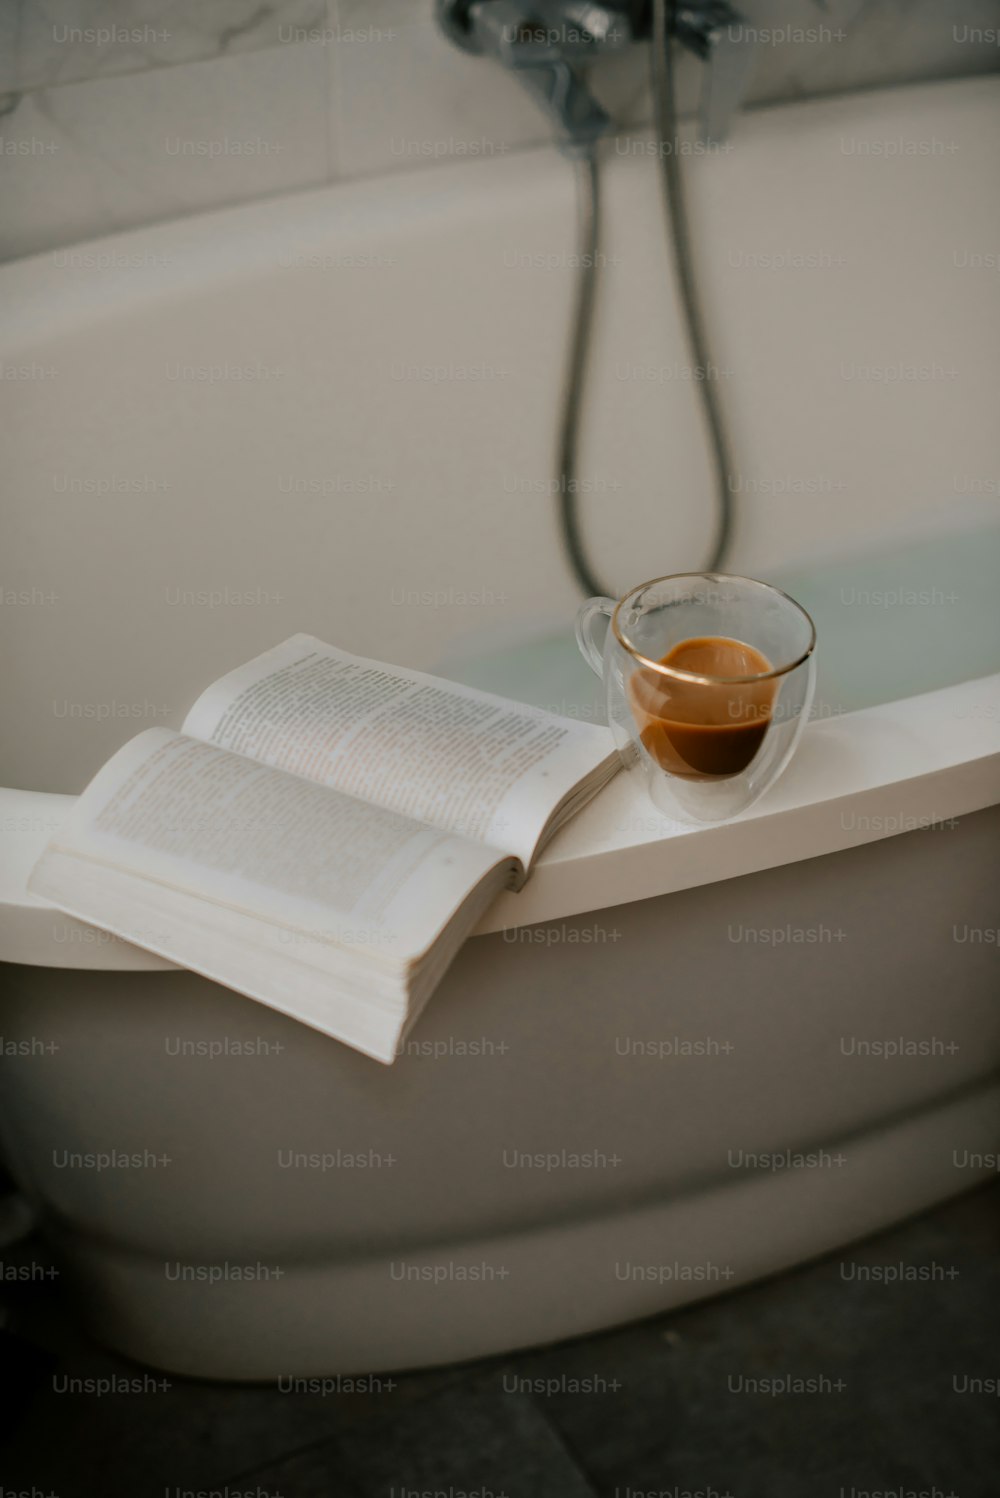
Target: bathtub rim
(855, 779)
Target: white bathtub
(335, 412)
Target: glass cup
(708, 680)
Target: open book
(323, 833)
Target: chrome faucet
(545, 42)
(548, 42)
(718, 34)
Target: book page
(183, 813)
(465, 761)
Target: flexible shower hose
(679, 241)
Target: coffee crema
(704, 730)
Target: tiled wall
(123, 112)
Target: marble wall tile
(800, 49)
(87, 159)
(49, 42)
(404, 96)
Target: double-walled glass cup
(708, 679)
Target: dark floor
(656, 1408)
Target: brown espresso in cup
(704, 730)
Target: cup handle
(592, 653)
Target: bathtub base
(476, 1299)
